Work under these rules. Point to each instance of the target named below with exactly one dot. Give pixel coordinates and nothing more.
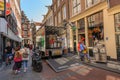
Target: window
(81, 24)
(117, 22)
(55, 21)
(54, 8)
(76, 6)
(89, 3)
(95, 19)
(25, 33)
(59, 17)
(95, 28)
(58, 3)
(64, 12)
(25, 27)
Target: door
(74, 42)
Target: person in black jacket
(8, 53)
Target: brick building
(26, 31)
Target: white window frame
(64, 12)
(59, 17)
(91, 3)
(55, 20)
(76, 7)
(58, 3)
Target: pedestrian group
(19, 55)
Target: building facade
(48, 21)
(9, 24)
(26, 31)
(61, 14)
(96, 19)
(114, 23)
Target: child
(17, 60)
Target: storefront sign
(2, 8)
(8, 10)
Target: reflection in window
(95, 28)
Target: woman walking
(25, 57)
(17, 60)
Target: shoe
(9, 63)
(25, 70)
(6, 64)
(16, 71)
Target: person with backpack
(8, 53)
(81, 49)
(25, 57)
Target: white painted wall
(3, 25)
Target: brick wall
(114, 3)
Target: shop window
(95, 28)
(81, 23)
(117, 29)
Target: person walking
(8, 53)
(86, 54)
(80, 49)
(25, 57)
(17, 60)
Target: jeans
(25, 63)
(81, 55)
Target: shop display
(100, 53)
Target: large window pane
(95, 28)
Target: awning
(15, 38)
(54, 30)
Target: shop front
(95, 31)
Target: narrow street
(81, 72)
(79, 38)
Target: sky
(35, 9)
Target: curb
(103, 67)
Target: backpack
(25, 54)
(81, 47)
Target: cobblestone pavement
(81, 72)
